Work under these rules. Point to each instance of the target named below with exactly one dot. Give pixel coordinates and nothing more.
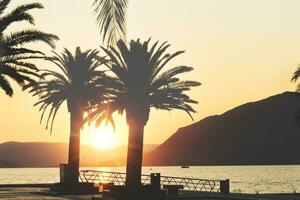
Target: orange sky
(242, 50)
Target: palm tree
(141, 84)
(111, 16)
(14, 56)
(78, 80)
(295, 77)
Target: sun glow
(103, 137)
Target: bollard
(63, 173)
(224, 186)
(155, 181)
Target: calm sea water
(250, 179)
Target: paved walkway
(41, 193)
(32, 193)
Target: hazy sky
(242, 50)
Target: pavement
(36, 193)
(42, 193)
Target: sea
(243, 179)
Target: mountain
(42, 154)
(4, 164)
(262, 132)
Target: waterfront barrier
(189, 184)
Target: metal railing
(118, 178)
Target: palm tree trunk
(76, 120)
(134, 156)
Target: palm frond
(4, 85)
(19, 14)
(14, 55)
(3, 5)
(78, 80)
(29, 36)
(111, 18)
(296, 74)
(141, 82)
(12, 73)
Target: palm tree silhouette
(296, 76)
(77, 82)
(141, 84)
(13, 55)
(111, 19)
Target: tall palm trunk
(134, 156)
(76, 120)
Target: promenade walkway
(41, 193)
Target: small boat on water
(185, 166)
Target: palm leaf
(4, 85)
(77, 80)
(3, 5)
(140, 83)
(29, 36)
(19, 14)
(111, 16)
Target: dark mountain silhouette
(262, 132)
(4, 164)
(42, 154)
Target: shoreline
(216, 165)
(247, 180)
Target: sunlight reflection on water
(251, 179)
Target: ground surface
(41, 193)
(30, 193)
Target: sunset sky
(242, 50)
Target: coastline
(251, 179)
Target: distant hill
(261, 132)
(4, 164)
(42, 154)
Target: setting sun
(103, 137)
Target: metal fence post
(155, 181)
(64, 173)
(224, 186)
